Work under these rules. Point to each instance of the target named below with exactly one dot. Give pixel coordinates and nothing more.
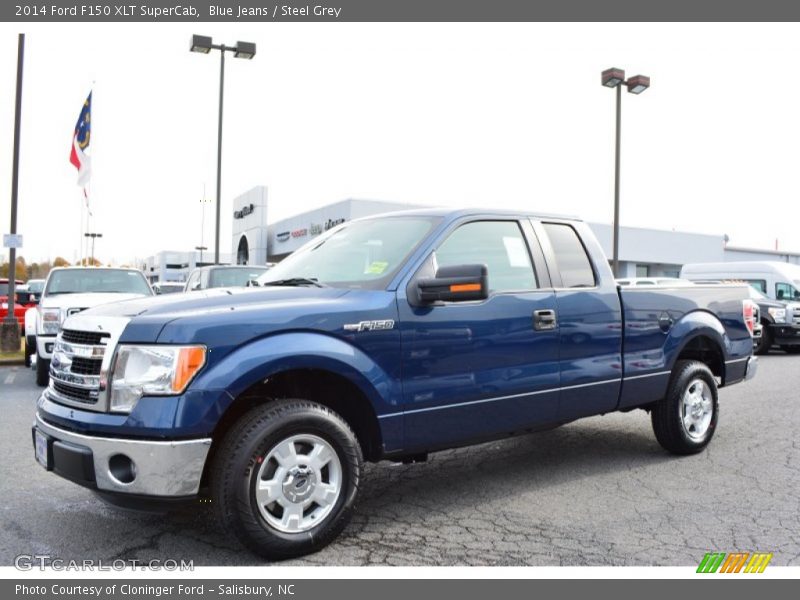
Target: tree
(60, 262)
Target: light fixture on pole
(203, 45)
(94, 236)
(615, 78)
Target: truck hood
(85, 300)
(174, 306)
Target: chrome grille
(76, 367)
(76, 394)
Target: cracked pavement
(599, 491)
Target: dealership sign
(283, 236)
(241, 214)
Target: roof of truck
(466, 212)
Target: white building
(176, 265)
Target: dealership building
(255, 241)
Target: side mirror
(455, 283)
(252, 283)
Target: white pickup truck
(68, 291)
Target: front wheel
(285, 478)
(30, 349)
(684, 421)
(765, 343)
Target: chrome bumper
(170, 468)
(751, 368)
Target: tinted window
(785, 291)
(80, 281)
(758, 284)
(571, 258)
(497, 244)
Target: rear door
(474, 369)
(589, 317)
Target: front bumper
(45, 345)
(164, 469)
(785, 335)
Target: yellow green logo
(734, 562)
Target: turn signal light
(190, 360)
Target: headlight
(779, 314)
(49, 320)
(152, 370)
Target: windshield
(361, 254)
(169, 288)
(35, 286)
(234, 277)
(81, 281)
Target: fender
(695, 324)
(650, 383)
(267, 356)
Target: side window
(571, 258)
(786, 291)
(499, 245)
(193, 280)
(758, 284)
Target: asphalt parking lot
(595, 492)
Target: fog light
(122, 468)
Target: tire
(791, 349)
(680, 427)
(42, 371)
(249, 453)
(30, 348)
(766, 341)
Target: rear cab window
(570, 256)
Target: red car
(19, 309)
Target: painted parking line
(10, 377)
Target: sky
(461, 115)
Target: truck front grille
(76, 394)
(76, 367)
(90, 338)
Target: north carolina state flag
(80, 143)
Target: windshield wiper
(295, 281)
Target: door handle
(544, 320)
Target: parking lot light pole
(94, 236)
(9, 328)
(200, 249)
(615, 78)
(203, 45)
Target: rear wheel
(765, 343)
(285, 478)
(42, 371)
(684, 421)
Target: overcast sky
(500, 115)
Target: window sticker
(377, 267)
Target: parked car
(168, 287)
(777, 280)
(385, 338)
(780, 321)
(31, 291)
(662, 281)
(19, 306)
(218, 276)
(70, 290)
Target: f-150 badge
(370, 325)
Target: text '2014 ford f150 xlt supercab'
(384, 338)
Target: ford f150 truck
(385, 338)
(69, 290)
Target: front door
(476, 369)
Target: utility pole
(9, 328)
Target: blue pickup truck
(385, 338)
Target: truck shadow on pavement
(417, 497)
